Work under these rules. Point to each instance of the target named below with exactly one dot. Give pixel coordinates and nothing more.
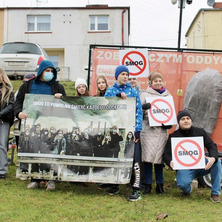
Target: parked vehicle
(20, 58)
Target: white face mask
(115, 131)
(107, 137)
(130, 136)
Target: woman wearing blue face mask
(45, 83)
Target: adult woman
(153, 139)
(6, 119)
(102, 85)
(81, 87)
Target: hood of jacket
(44, 65)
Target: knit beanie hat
(120, 69)
(80, 81)
(154, 76)
(181, 114)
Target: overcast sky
(152, 22)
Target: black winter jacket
(192, 132)
(7, 111)
(26, 87)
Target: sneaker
(50, 185)
(215, 198)
(135, 196)
(33, 185)
(113, 190)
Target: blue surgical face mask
(48, 76)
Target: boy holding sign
(123, 89)
(213, 163)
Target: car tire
(205, 181)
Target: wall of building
(206, 30)
(1, 26)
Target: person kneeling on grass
(213, 163)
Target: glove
(146, 106)
(166, 127)
(137, 135)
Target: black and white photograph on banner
(84, 139)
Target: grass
(78, 202)
(73, 202)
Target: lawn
(84, 202)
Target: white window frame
(96, 23)
(36, 23)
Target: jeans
(148, 169)
(4, 134)
(185, 177)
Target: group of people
(152, 145)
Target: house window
(99, 23)
(39, 23)
(54, 60)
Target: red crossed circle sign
(168, 116)
(129, 56)
(183, 145)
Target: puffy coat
(153, 139)
(130, 92)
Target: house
(66, 33)
(205, 30)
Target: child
(81, 87)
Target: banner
(177, 69)
(85, 139)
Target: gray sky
(153, 22)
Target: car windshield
(16, 48)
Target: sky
(153, 23)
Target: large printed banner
(86, 139)
(178, 70)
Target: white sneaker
(33, 185)
(50, 185)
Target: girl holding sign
(153, 139)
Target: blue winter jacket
(130, 92)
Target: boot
(148, 188)
(159, 188)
